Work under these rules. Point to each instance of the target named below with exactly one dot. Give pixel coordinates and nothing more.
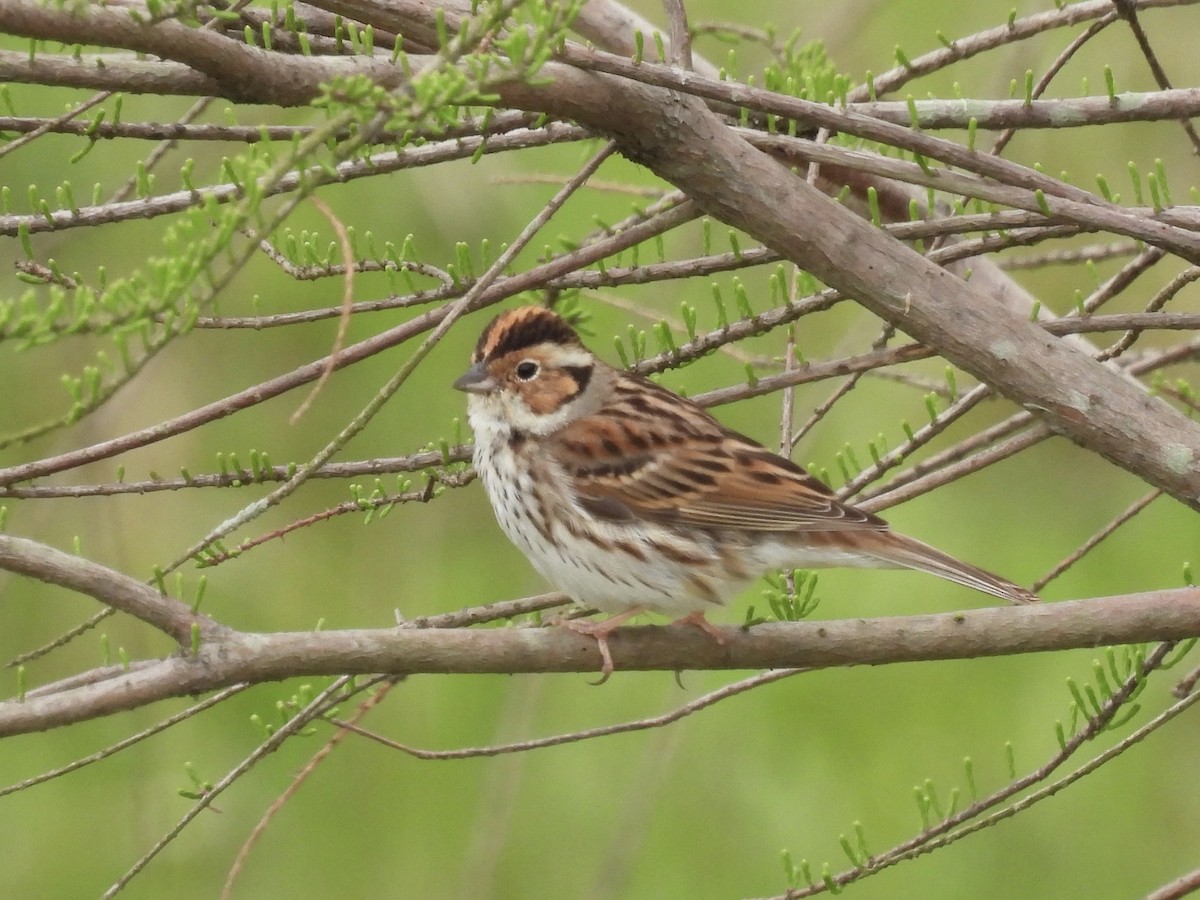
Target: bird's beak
(476, 380)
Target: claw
(600, 632)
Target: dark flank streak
(632, 549)
(536, 506)
(674, 554)
(705, 589)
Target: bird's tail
(896, 550)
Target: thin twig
(160, 152)
(573, 737)
(1128, 10)
(1180, 887)
(328, 697)
(972, 818)
(260, 828)
(50, 125)
(193, 710)
(680, 51)
(339, 340)
(1086, 547)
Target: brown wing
(648, 453)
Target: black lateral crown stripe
(524, 328)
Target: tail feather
(896, 550)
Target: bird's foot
(697, 618)
(600, 631)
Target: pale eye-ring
(527, 369)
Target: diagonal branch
(679, 139)
(109, 586)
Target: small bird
(631, 498)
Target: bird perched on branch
(631, 498)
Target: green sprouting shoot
(719, 303)
(914, 118)
(1155, 195)
(621, 354)
(689, 319)
(931, 406)
(1136, 178)
(742, 299)
(1161, 172)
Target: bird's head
(531, 373)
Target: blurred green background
(703, 808)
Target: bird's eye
(527, 369)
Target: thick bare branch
(238, 657)
(236, 69)
(1074, 112)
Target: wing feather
(649, 454)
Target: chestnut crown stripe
(522, 329)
